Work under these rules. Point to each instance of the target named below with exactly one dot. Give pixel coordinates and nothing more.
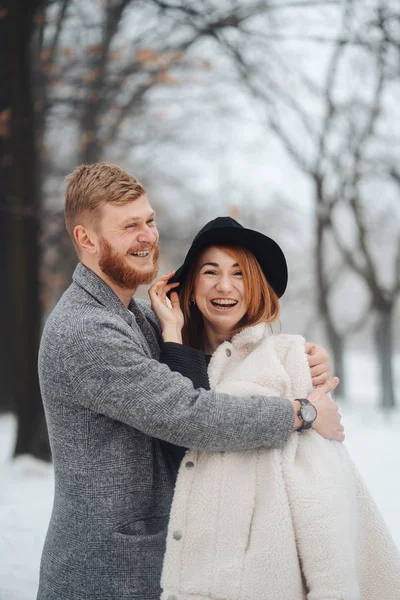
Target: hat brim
(267, 252)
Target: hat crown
(219, 222)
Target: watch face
(308, 413)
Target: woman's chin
(228, 322)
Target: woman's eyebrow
(213, 264)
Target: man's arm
(191, 363)
(111, 374)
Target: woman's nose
(224, 284)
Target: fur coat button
(228, 352)
(177, 535)
(189, 464)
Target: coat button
(177, 535)
(228, 352)
(189, 464)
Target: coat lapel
(96, 287)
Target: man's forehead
(136, 210)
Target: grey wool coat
(112, 410)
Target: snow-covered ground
(26, 485)
(26, 496)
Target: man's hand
(318, 361)
(328, 418)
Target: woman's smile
(224, 304)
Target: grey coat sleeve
(111, 374)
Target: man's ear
(85, 239)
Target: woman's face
(219, 289)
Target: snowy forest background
(284, 114)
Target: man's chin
(142, 275)
(127, 272)
(146, 277)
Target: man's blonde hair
(90, 187)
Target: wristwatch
(307, 413)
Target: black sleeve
(189, 362)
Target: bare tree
(107, 93)
(24, 209)
(5, 194)
(330, 132)
(359, 144)
(98, 70)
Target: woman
(263, 525)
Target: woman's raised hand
(171, 319)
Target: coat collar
(250, 336)
(96, 287)
(244, 342)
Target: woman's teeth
(224, 304)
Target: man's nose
(148, 235)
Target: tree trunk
(336, 341)
(24, 234)
(5, 193)
(384, 350)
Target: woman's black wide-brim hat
(225, 231)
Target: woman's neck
(214, 337)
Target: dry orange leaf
(94, 49)
(145, 55)
(90, 76)
(166, 78)
(4, 122)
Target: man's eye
(151, 222)
(130, 225)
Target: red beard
(117, 268)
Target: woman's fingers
(163, 278)
(157, 290)
(162, 288)
(166, 276)
(175, 300)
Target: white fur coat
(283, 524)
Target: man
(114, 411)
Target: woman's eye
(238, 273)
(209, 273)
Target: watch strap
(305, 424)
